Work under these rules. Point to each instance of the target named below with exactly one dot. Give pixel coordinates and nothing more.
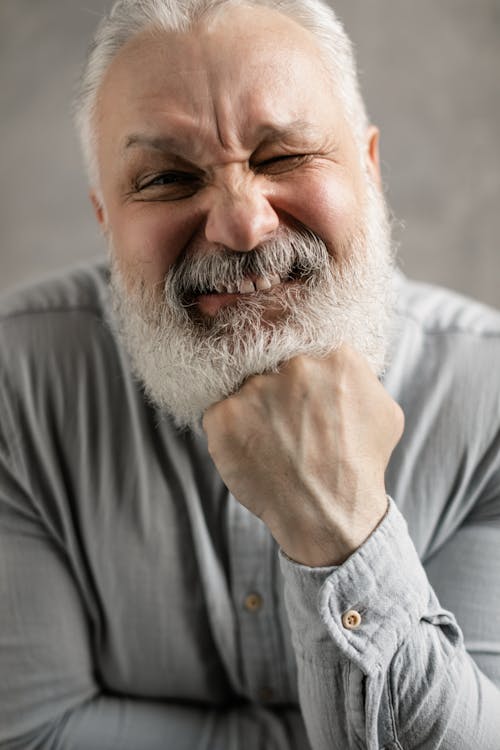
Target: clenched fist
(306, 451)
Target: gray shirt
(142, 608)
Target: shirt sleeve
(396, 673)
(50, 694)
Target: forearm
(450, 704)
(401, 679)
(111, 723)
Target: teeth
(262, 283)
(246, 286)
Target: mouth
(209, 301)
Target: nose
(240, 217)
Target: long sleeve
(111, 723)
(403, 677)
(50, 696)
(51, 691)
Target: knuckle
(219, 415)
(346, 357)
(299, 365)
(254, 384)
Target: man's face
(224, 140)
(222, 136)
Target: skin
(224, 136)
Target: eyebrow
(157, 143)
(265, 134)
(273, 133)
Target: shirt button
(351, 619)
(253, 602)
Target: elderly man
(214, 533)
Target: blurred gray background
(430, 71)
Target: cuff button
(351, 619)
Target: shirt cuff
(382, 583)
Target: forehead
(246, 68)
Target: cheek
(149, 238)
(328, 207)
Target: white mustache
(292, 255)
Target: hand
(306, 451)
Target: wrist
(330, 543)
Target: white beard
(188, 362)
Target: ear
(373, 155)
(99, 211)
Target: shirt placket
(255, 584)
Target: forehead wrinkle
(190, 147)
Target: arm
(50, 693)
(49, 696)
(403, 678)
(306, 450)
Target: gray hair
(127, 18)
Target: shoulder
(437, 311)
(79, 289)
(55, 317)
(444, 372)
(56, 338)
(442, 336)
